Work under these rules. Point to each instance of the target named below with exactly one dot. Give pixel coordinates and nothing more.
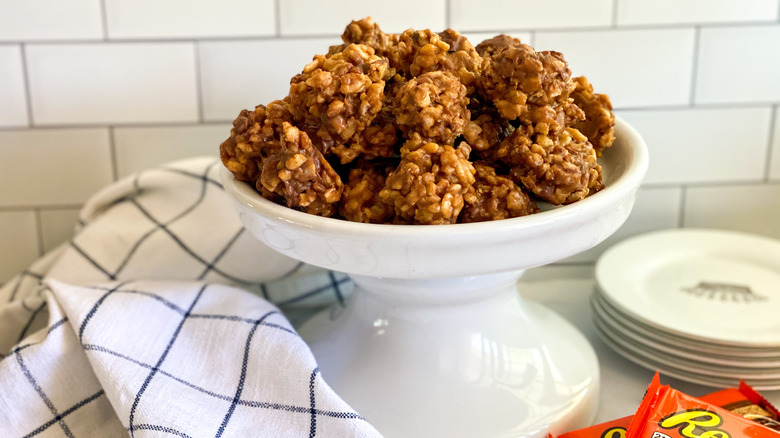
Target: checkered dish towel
(156, 320)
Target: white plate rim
(682, 375)
(691, 345)
(680, 352)
(619, 296)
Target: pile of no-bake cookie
(424, 128)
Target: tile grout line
(772, 127)
(695, 66)
(614, 13)
(277, 18)
(711, 184)
(112, 153)
(683, 196)
(39, 229)
(42, 207)
(123, 125)
(277, 35)
(26, 79)
(700, 105)
(447, 16)
(198, 81)
(104, 19)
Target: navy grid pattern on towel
(173, 222)
(178, 359)
(137, 326)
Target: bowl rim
(629, 181)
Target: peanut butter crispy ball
(558, 167)
(340, 93)
(254, 136)
(367, 32)
(521, 82)
(434, 105)
(379, 139)
(486, 130)
(490, 46)
(495, 197)
(599, 122)
(300, 174)
(361, 201)
(430, 183)
(423, 51)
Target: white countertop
(623, 383)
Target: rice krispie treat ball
(520, 82)
(490, 46)
(255, 135)
(558, 167)
(433, 105)
(495, 197)
(598, 123)
(340, 93)
(430, 183)
(486, 130)
(298, 173)
(361, 201)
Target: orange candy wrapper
(743, 402)
(668, 413)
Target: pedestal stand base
(461, 357)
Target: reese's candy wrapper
(729, 398)
(668, 413)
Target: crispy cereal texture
(495, 197)
(341, 93)
(490, 46)
(430, 182)
(487, 130)
(433, 105)
(384, 128)
(519, 81)
(300, 174)
(599, 123)
(255, 135)
(361, 201)
(559, 168)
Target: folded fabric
(156, 319)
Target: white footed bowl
(436, 341)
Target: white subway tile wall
(242, 74)
(311, 17)
(637, 67)
(57, 225)
(139, 148)
(752, 208)
(89, 84)
(704, 145)
(485, 15)
(694, 11)
(50, 20)
(20, 240)
(94, 90)
(53, 167)
(189, 18)
(13, 102)
(738, 64)
(774, 157)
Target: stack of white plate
(699, 305)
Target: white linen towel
(156, 320)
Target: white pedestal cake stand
(436, 341)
